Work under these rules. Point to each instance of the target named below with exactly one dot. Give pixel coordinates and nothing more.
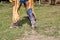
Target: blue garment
(23, 1)
(29, 11)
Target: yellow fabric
(10, 0)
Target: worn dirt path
(33, 35)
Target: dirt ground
(35, 36)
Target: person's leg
(30, 13)
(16, 13)
(33, 9)
(31, 4)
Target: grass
(48, 21)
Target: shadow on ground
(24, 21)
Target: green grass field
(48, 21)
